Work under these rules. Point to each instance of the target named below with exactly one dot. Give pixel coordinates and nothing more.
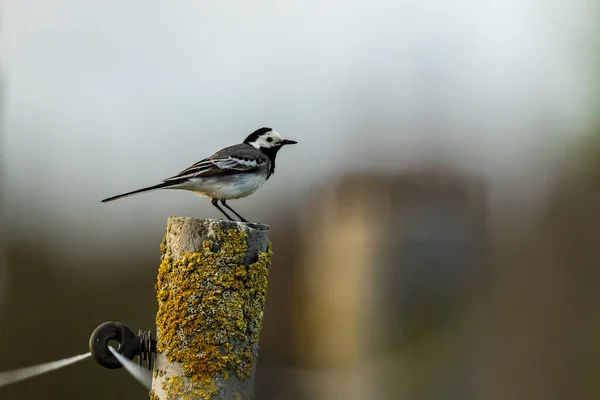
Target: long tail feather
(146, 189)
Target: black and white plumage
(231, 173)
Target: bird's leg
(215, 202)
(232, 210)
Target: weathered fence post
(211, 290)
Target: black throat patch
(271, 153)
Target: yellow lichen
(210, 309)
(157, 373)
(176, 388)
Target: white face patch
(268, 140)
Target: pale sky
(105, 96)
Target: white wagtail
(231, 173)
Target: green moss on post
(211, 291)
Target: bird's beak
(287, 141)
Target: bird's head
(267, 139)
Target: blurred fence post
(387, 263)
(211, 290)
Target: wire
(16, 375)
(142, 376)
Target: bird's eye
(269, 139)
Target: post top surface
(221, 222)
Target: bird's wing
(227, 161)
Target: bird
(233, 172)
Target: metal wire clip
(129, 345)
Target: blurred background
(434, 230)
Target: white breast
(226, 188)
